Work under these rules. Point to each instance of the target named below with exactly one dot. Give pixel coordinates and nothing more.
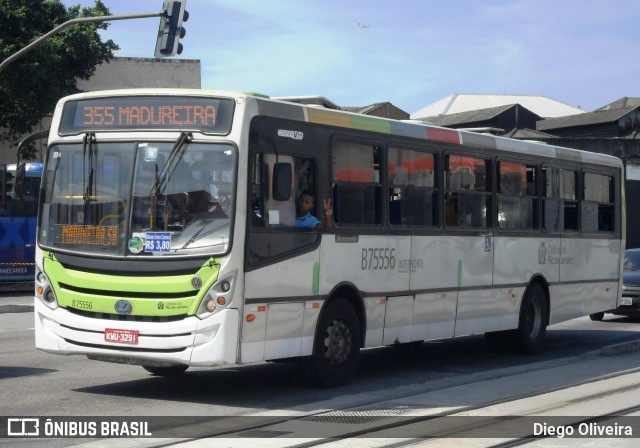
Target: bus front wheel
(336, 346)
(166, 370)
(532, 325)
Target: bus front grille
(126, 318)
(131, 294)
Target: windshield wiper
(167, 169)
(200, 235)
(90, 150)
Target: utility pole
(59, 28)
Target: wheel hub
(337, 343)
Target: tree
(31, 85)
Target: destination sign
(208, 115)
(94, 235)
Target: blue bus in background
(18, 215)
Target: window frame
(535, 198)
(377, 184)
(489, 194)
(435, 189)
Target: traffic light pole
(59, 28)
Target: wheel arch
(353, 295)
(540, 280)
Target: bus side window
(517, 197)
(277, 183)
(559, 204)
(279, 202)
(258, 190)
(468, 192)
(597, 205)
(357, 187)
(413, 193)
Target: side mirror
(281, 183)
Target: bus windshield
(140, 198)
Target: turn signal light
(251, 317)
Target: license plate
(626, 301)
(121, 336)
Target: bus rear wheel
(166, 370)
(532, 325)
(336, 346)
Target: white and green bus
(167, 233)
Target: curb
(14, 308)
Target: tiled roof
(527, 134)
(456, 103)
(597, 117)
(361, 109)
(471, 116)
(625, 101)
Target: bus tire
(596, 317)
(166, 370)
(532, 324)
(336, 346)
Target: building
(614, 120)
(462, 102)
(310, 100)
(122, 73)
(497, 120)
(384, 110)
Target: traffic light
(171, 30)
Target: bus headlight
(218, 297)
(44, 290)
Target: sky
(412, 53)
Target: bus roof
(281, 108)
(296, 112)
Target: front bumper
(190, 341)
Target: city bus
(18, 209)
(168, 236)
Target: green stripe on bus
(459, 273)
(315, 287)
(365, 123)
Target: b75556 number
(82, 304)
(378, 258)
